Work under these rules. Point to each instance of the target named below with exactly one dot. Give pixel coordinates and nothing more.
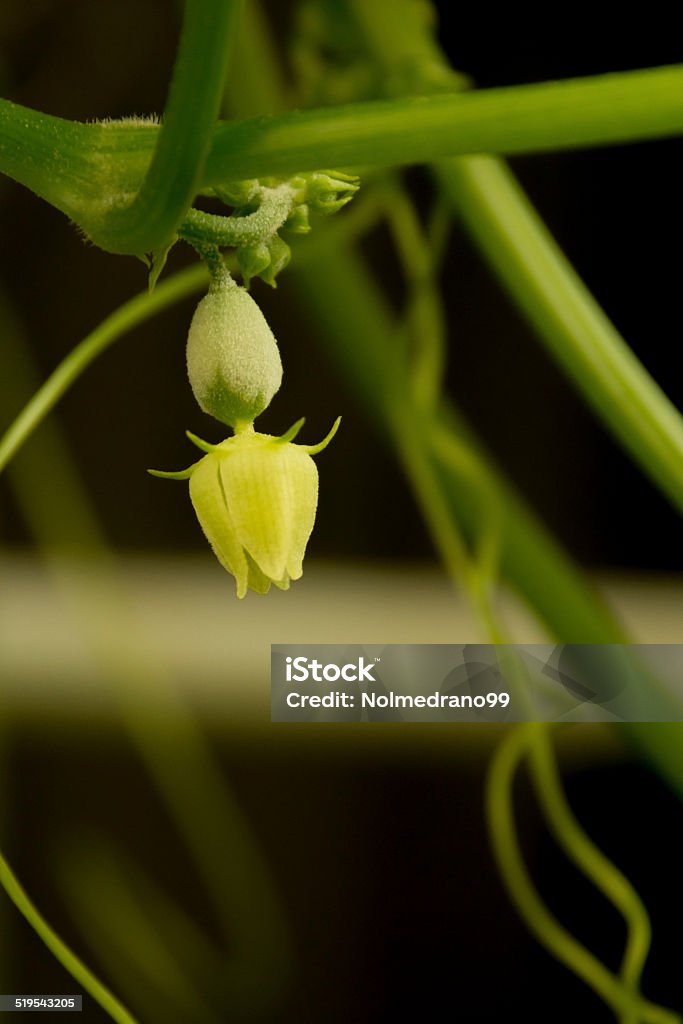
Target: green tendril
(59, 949)
(621, 994)
(120, 322)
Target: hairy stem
(82, 169)
(174, 174)
(274, 209)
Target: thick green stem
(569, 321)
(50, 155)
(174, 175)
(82, 169)
(519, 119)
(129, 184)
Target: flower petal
(258, 581)
(259, 486)
(207, 496)
(303, 508)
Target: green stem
(59, 949)
(357, 329)
(420, 263)
(540, 279)
(578, 112)
(132, 313)
(355, 326)
(80, 168)
(530, 559)
(174, 175)
(443, 526)
(568, 320)
(49, 155)
(274, 209)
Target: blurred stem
(567, 318)
(96, 872)
(420, 254)
(59, 949)
(519, 247)
(357, 328)
(530, 559)
(122, 320)
(261, 86)
(444, 528)
(425, 327)
(137, 951)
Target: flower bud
(252, 260)
(280, 255)
(327, 193)
(237, 193)
(298, 222)
(232, 357)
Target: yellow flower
(256, 497)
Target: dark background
(382, 857)
(616, 213)
(384, 866)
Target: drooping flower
(256, 496)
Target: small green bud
(280, 255)
(233, 361)
(327, 193)
(252, 260)
(298, 221)
(237, 193)
(256, 497)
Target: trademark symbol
(376, 659)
